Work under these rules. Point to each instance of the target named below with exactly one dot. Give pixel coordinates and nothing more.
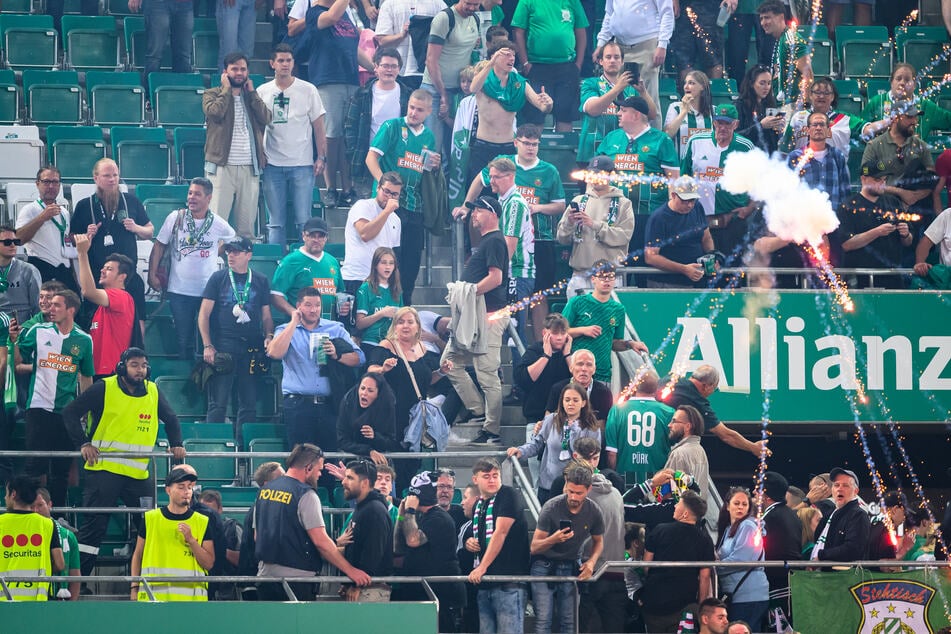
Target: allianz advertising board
(888, 358)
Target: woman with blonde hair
(809, 516)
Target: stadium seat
(20, 195)
(182, 395)
(821, 49)
(74, 150)
(143, 154)
(91, 42)
(874, 86)
(160, 201)
(850, 96)
(864, 51)
(133, 28)
(161, 464)
(205, 46)
(920, 45)
(723, 91)
(53, 96)
(212, 469)
(168, 366)
(275, 445)
(118, 7)
(189, 152)
(21, 152)
(115, 98)
(263, 249)
(176, 98)
(29, 41)
(561, 150)
(667, 91)
(250, 431)
(146, 191)
(205, 431)
(9, 97)
(266, 265)
(16, 6)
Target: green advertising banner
(888, 357)
(857, 601)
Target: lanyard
(193, 237)
(240, 297)
(117, 216)
(61, 227)
(4, 284)
(565, 436)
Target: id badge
(564, 455)
(279, 112)
(108, 241)
(69, 247)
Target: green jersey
(636, 431)
(58, 360)
(551, 28)
(368, 303)
(704, 161)
(300, 269)
(586, 310)
(649, 153)
(516, 222)
(401, 151)
(70, 544)
(594, 129)
(538, 185)
(934, 118)
(787, 79)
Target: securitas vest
(25, 551)
(128, 423)
(166, 554)
(281, 539)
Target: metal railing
(751, 273)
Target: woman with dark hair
(693, 113)
(741, 540)
(668, 591)
(366, 423)
(887, 103)
(756, 97)
(558, 434)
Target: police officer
(126, 409)
(30, 545)
(289, 528)
(159, 547)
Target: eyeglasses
(46, 181)
(444, 487)
(444, 471)
(9, 242)
(390, 192)
(528, 143)
(822, 93)
(606, 277)
(389, 66)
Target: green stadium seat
(118, 7)
(238, 496)
(182, 395)
(9, 97)
(943, 98)
(864, 51)
(667, 91)
(847, 88)
(158, 209)
(16, 6)
(212, 469)
(266, 265)
(821, 49)
(167, 366)
(338, 498)
(52, 96)
(204, 431)
(176, 98)
(133, 28)
(723, 91)
(91, 42)
(250, 431)
(161, 464)
(74, 149)
(336, 249)
(324, 496)
(561, 150)
(920, 45)
(263, 249)
(189, 152)
(29, 41)
(145, 191)
(115, 98)
(874, 86)
(265, 444)
(143, 154)
(205, 50)
(850, 105)
(160, 337)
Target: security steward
(290, 537)
(29, 545)
(125, 413)
(174, 541)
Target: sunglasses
(9, 242)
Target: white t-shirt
(195, 256)
(939, 232)
(394, 14)
(288, 137)
(359, 254)
(47, 242)
(386, 106)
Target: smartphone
(772, 112)
(563, 524)
(574, 207)
(635, 71)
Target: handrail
(528, 491)
(751, 272)
(398, 455)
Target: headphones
(131, 353)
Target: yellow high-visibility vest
(128, 423)
(25, 550)
(167, 554)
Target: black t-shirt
(513, 558)
(492, 252)
(686, 393)
(667, 590)
(858, 215)
(535, 393)
(438, 555)
(89, 211)
(679, 237)
(225, 329)
(586, 522)
(399, 379)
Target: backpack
(419, 27)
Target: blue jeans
(502, 609)
(185, 315)
(279, 184)
(235, 28)
(551, 597)
(753, 612)
(164, 18)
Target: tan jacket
(603, 240)
(218, 104)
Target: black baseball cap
(317, 225)
(873, 169)
(601, 163)
(637, 103)
(486, 202)
(178, 474)
(238, 243)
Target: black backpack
(419, 27)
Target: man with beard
(445, 490)
(235, 118)
(368, 540)
(686, 453)
(113, 403)
(113, 220)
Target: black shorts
(544, 265)
(562, 82)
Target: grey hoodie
(609, 501)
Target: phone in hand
(564, 524)
(773, 112)
(634, 69)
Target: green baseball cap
(725, 112)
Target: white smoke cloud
(793, 210)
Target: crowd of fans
(360, 363)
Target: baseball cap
(873, 169)
(179, 474)
(686, 188)
(601, 163)
(423, 486)
(486, 202)
(238, 243)
(637, 103)
(725, 112)
(317, 225)
(839, 471)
